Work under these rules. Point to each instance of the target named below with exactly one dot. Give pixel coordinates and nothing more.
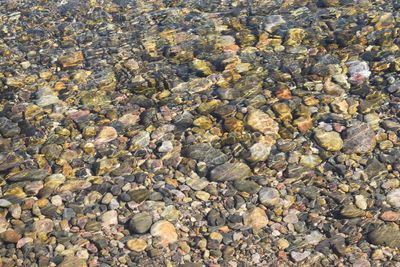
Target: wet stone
(205, 152)
(73, 261)
(230, 171)
(10, 236)
(393, 198)
(359, 138)
(247, 186)
(137, 245)
(268, 196)
(385, 235)
(351, 211)
(9, 160)
(330, 141)
(165, 232)
(28, 175)
(140, 223)
(139, 195)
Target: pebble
(69, 261)
(256, 218)
(359, 138)
(136, 244)
(393, 198)
(269, 196)
(229, 172)
(205, 152)
(385, 235)
(10, 236)
(330, 141)
(110, 218)
(299, 256)
(165, 232)
(361, 202)
(43, 226)
(140, 223)
(197, 183)
(390, 216)
(259, 152)
(202, 195)
(351, 211)
(262, 122)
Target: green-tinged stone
(139, 195)
(385, 235)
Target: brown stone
(390, 216)
(359, 138)
(72, 59)
(11, 236)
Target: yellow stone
(42, 202)
(216, 236)
(339, 106)
(16, 191)
(295, 36)
(203, 122)
(233, 124)
(203, 66)
(330, 141)
(137, 245)
(385, 145)
(31, 111)
(89, 148)
(89, 131)
(208, 107)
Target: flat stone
(28, 175)
(259, 152)
(390, 216)
(140, 223)
(230, 172)
(351, 211)
(4, 203)
(361, 202)
(71, 59)
(165, 232)
(136, 244)
(203, 195)
(310, 161)
(205, 152)
(262, 122)
(9, 160)
(299, 256)
(359, 138)
(375, 168)
(43, 226)
(385, 235)
(247, 186)
(139, 195)
(170, 213)
(72, 261)
(107, 134)
(142, 139)
(197, 183)
(330, 141)
(10, 236)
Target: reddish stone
(390, 216)
(78, 114)
(284, 94)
